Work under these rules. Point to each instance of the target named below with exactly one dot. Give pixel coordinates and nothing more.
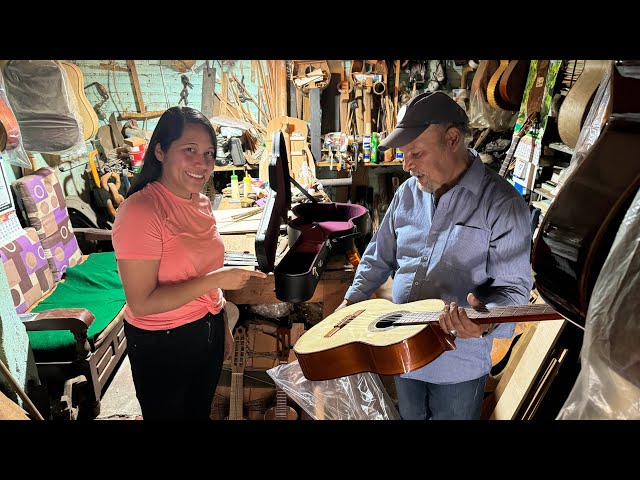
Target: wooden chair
(77, 334)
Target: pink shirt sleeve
(137, 231)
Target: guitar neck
(237, 396)
(512, 150)
(516, 313)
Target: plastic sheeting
(608, 386)
(356, 397)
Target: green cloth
(95, 285)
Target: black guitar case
(318, 230)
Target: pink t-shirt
(155, 224)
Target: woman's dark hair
(168, 130)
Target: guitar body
(274, 414)
(493, 88)
(89, 116)
(512, 84)
(385, 338)
(579, 227)
(576, 105)
(481, 78)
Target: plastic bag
(45, 106)
(356, 397)
(608, 385)
(591, 128)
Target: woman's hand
(454, 319)
(234, 278)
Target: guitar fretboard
(515, 313)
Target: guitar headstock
(283, 343)
(239, 350)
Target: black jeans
(176, 371)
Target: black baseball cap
(420, 112)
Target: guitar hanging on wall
(535, 95)
(88, 114)
(575, 107)
(282, 411)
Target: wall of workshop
(160, 85)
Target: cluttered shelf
(230, 168)
(366, 164)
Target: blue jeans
(419, 400)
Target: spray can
(366, 148)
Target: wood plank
(207, 104)
(136, 86)
(527, 369)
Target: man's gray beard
(429, 188)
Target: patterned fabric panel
(27, 270)
(43, 200)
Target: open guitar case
(318, 230)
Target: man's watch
(491, 328)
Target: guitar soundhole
(388, 321)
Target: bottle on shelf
(235, 187)
(246, 184)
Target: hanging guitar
(575, 107)
(282, 411)
(535, 95)
(237, 374)
(388, 339)
(578, 229)
(526, 126)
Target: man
(456, 231)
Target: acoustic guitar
(534, 97)
(493, 87)
(237, 374)
(282, 411)
(576, 105)
(513, 82)
(89, 117)
(388, 339)
(481, 77)
(579, 227)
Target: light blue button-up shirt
(477, 239)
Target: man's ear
(453, 138)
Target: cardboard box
(524, 175)
(134, 141)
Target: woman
(170, 259)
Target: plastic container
(235, 186)
(374, 147)
(366, 148)
(246, 184)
